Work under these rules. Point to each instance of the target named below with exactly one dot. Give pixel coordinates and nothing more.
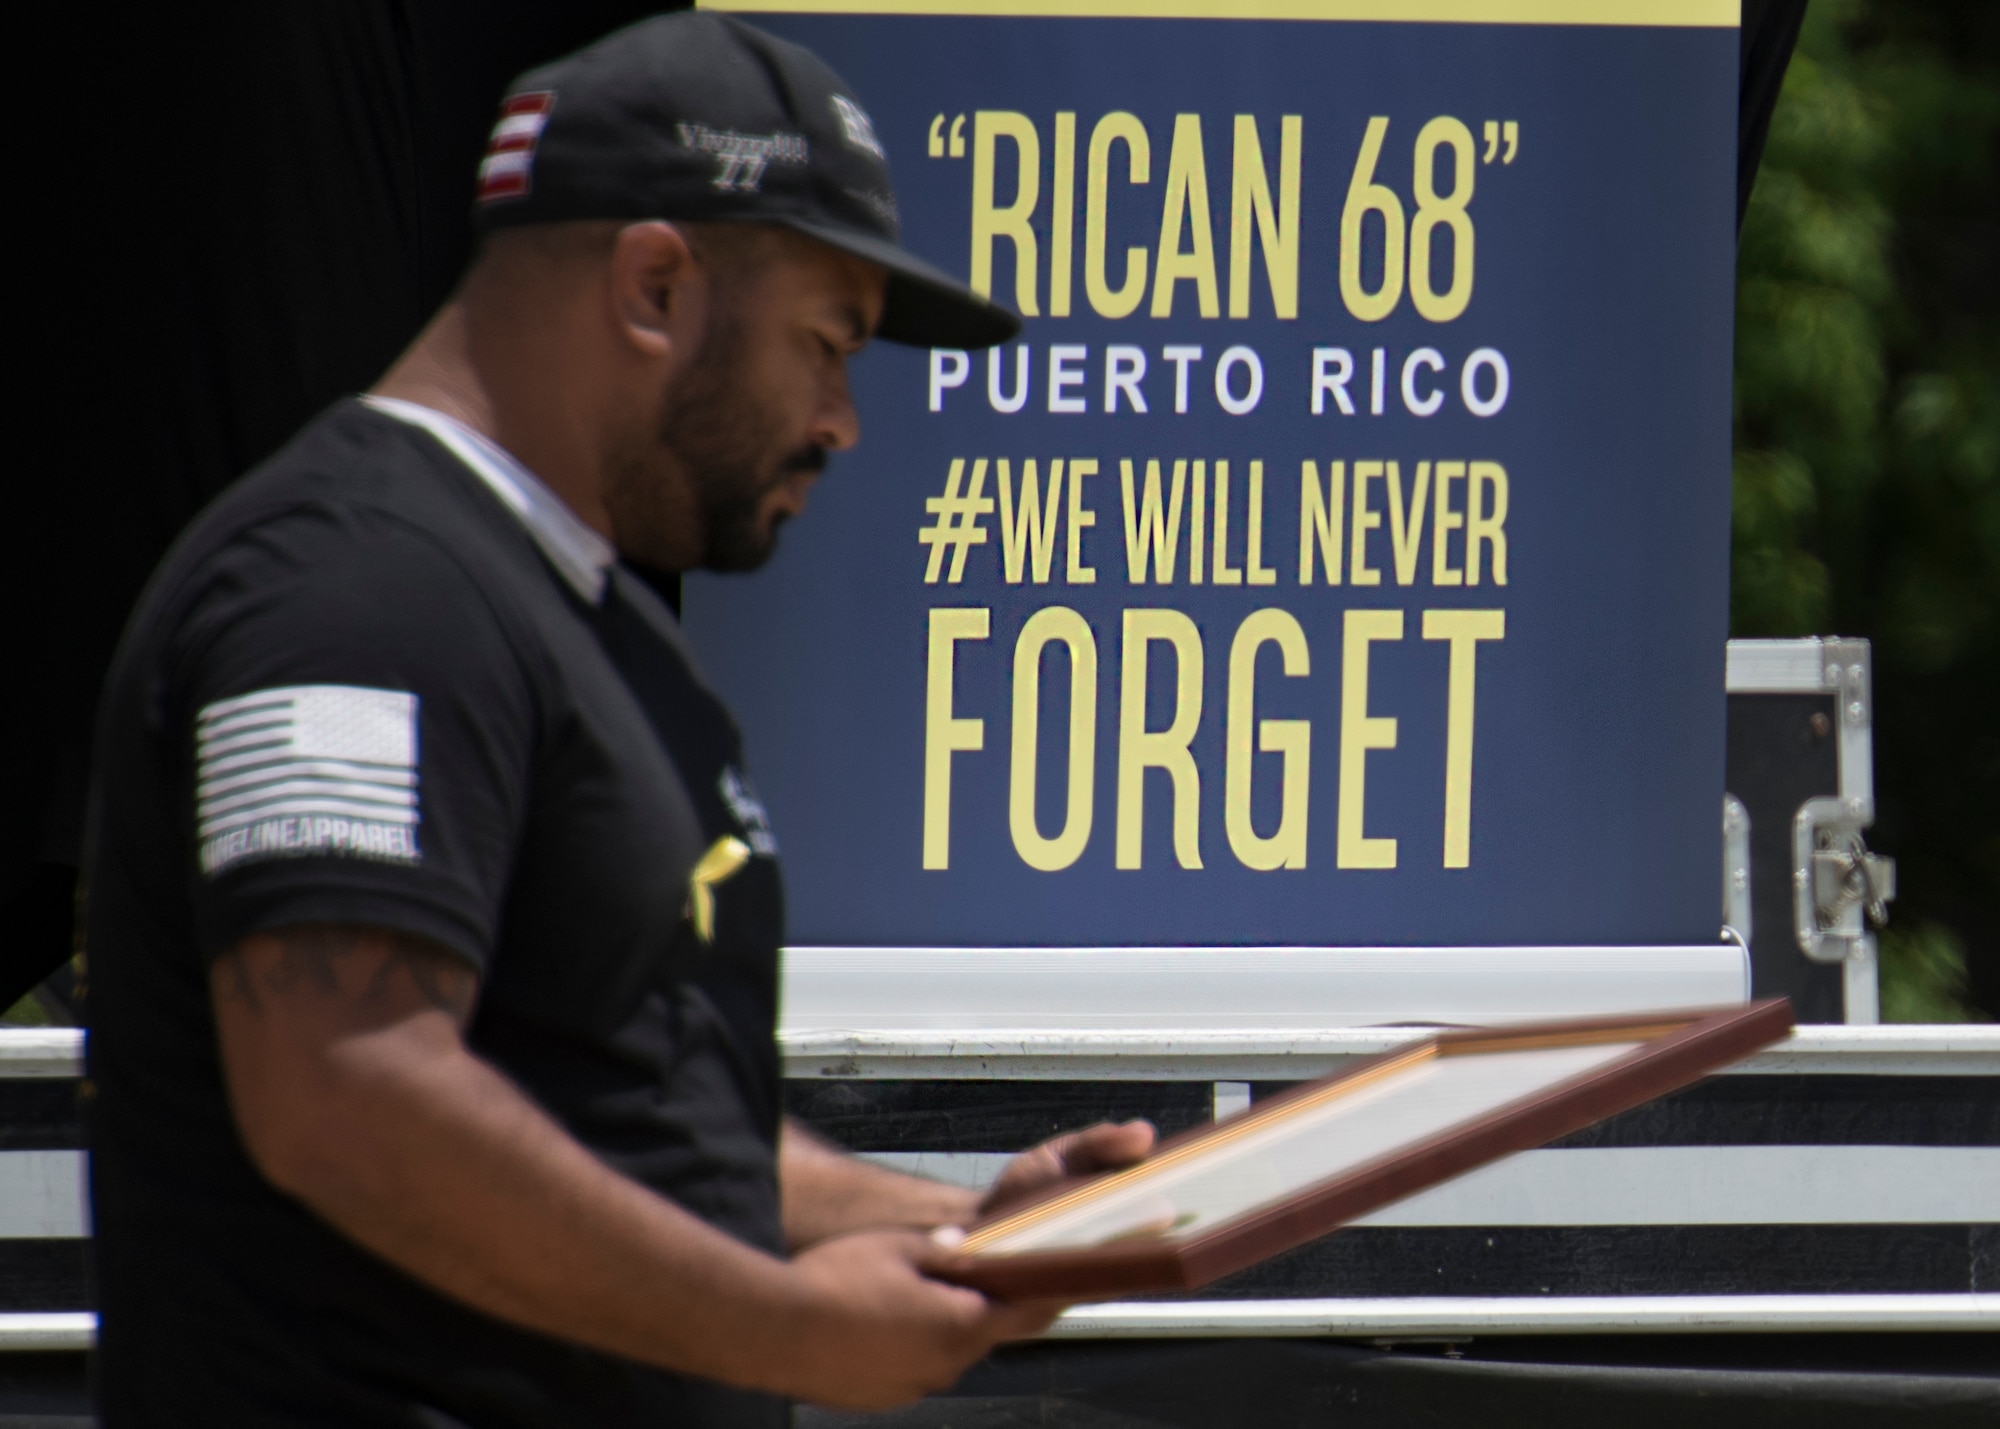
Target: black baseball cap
(701, 117)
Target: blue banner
(1340, 556)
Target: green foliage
(1923, 975)
(1814, 289)
(1867, 469)
(28, 1012)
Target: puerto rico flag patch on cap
(510, 153)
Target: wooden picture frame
(1292, 1167)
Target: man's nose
(837, 426)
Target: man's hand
(828, 1193)
(1108, 1146)
(883, 1332)
(825, 1192)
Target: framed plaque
(1293, 1167)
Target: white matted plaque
(1293, 1167)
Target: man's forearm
(827, 1192)
(353, 1089)
(436, 1162)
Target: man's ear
(657, 292)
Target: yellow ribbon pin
(724, 857)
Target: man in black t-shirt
(433, 919)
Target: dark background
(229, 215)
(234, 213)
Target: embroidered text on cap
(740, 159)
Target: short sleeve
(358, 733)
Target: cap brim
(923, 306)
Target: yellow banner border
(1679, 14)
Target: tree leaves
(1867, 469)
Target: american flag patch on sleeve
(307, 769)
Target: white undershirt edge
(579, 554)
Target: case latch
(1835, 880)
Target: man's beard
(714, 428)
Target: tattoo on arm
(336, 960)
